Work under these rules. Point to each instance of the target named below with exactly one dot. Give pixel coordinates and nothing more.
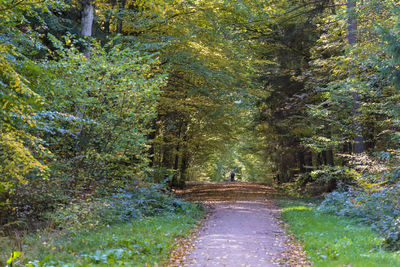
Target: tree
(87, 21)
(352, 39)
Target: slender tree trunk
(329, 157)
(308, 160)
(175, 180)
(301, 161)
(152, 150)
(329, 151)
(185, 158)
(166, 155)
(357, 127)
(352, 39)
(86, 31)
(120, 16)
(107, 25)
(320, 159)
(324, 157)
(176, 162)
(109, 16)
(184, 167)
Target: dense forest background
(99, 97)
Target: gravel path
(241, 230)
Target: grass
(143, 242)
(335, 241)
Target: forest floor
(242, 229)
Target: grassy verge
(143, 242)
(335, 241)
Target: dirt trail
(241, 230)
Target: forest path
(241, 230)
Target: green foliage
(209, 69)
(115, 93)
(264, 88)
(14, 256)
(368, 71)
(375, 205)
(22, 154)
(17, 101)
(344, 175)
(139, 242)
(96, 113)
(334, 241)
(121, 207)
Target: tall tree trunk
(87, 21)
(352, 39)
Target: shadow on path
(227, 191)
(241, 230)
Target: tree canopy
(100, 95)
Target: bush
(378, 206)
(119, 207)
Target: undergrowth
(130, 228)
(335, 241)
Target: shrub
(372, 204)
(119, 207)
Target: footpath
(241, 230)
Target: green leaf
(14, 255)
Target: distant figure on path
(232, 176)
